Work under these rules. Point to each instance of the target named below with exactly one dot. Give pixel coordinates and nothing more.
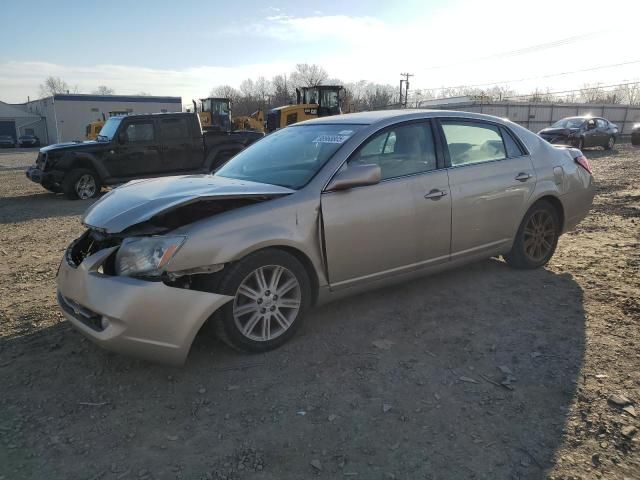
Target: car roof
(379, 116)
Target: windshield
(109, 130)
(569, 123)
(329, 98)
(221, 107)
(289, 157)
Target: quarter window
(470, 143)
(140, 132)
(399, 151)
(513, 149)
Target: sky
(186, 48)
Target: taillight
(584, 163)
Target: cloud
(19, 79)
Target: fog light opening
(104, 323)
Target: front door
(139, 155)
(491, 178)
(389, 228)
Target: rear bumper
(134, 317)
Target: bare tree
(282, 93)
(307, 75)
(104, 90)
(52, 86)
(629, 93)
(225, 91)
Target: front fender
(71, 160)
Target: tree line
(262, 93)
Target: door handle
(435, 194)
(523, 177)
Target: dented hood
(140, 200)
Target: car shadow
(464, 374)
(23, 208)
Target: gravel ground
(482, 372)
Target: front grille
(88, 317)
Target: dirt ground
(404, 383)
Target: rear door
(381, 230)
(491, 177)
(180, 149)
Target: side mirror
(355, 176)
(122, 137)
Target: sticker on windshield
(331, 139)
(345, 132)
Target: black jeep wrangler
(136, 146)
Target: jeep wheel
(81, 183)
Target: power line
(540, 76)
(574, 90)
(525, 50)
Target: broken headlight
(146, 256)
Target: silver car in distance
(313, 212)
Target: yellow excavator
(254, 122)
(214, 113)
(311, 102)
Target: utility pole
(406, 88)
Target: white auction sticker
(331, 139)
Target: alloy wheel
(611, 143)
(267, 302)
(539, 235)
(86, 187)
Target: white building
(15, 121)
(66, 116)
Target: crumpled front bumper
(135, 317)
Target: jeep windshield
(109, 129)
(289, 157)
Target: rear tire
(263, 317)
(81, 183)
(537, 237)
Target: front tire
(610, 143)
(537, 237)
(82, 184)
(272, 292)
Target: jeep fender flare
(75, 160)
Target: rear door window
(472, 142)
(174, 129)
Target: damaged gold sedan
(310, 213)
